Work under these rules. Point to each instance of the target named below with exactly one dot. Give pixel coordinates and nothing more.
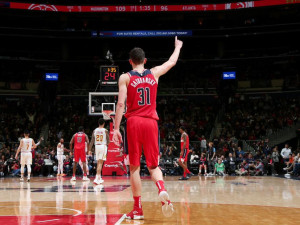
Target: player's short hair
(80, 129)
(137, 56)
(182, 128)
(26, 132)
(101, 121)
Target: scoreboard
(109, 75)
(243, 4)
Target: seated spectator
(243, 168)
(292, 162)
(296, 170)
(251, 162)
(194, 157)
(231, 162)
(257, 169)
(39, 162)
(239, 152)
(67, 165)
(219, 168)
(2, 167)
(239, 159)
(203, 164)
(15, 168)
(48, 166)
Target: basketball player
(60, 157)
(87, 163)
(184, 146)
(139, 86)
(79, 140)
(100, 138)
(26, 145)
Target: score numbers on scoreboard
(109, 75)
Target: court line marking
(78, 212)
(120, 220)
(44, 221)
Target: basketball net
(107, 115)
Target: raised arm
(164, 68)
(39, 142)
(123, 82)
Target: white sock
(28, 176)
(61, 168)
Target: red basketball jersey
(141, 95)
(79, 141)
(187, 141)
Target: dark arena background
(235, 90)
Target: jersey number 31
(145, 98)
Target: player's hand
(16, 157)
(178, 43)
(41, 139)
(117, 137)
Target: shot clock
(109, 75)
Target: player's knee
(152, 167)
(134, 168)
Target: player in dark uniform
(139, 86)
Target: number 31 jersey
(141, 95)
(100, 136)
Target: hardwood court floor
(200, 200)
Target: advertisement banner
(146, 33)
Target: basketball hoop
(107, 114)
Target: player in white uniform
(26, 144)
(60, 157)
(101, 140)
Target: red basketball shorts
(142, 134)
(184, 156)
(79, 153)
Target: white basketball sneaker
(73, 179)
(85, 178)
(98, 181)
(167, 207)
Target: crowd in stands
(197, 115)
(232, 160)
(253, 117)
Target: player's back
(79, 140)
(141, 95)
(27, 145)
(100, 136)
